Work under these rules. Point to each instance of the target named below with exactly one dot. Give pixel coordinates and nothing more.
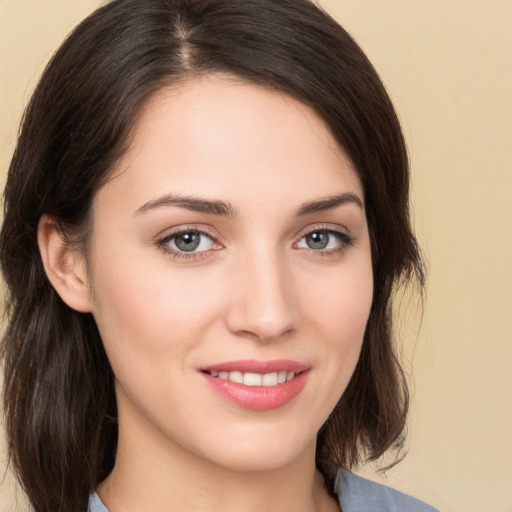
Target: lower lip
(258, 398)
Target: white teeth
(237, 377)
(255, 379)
(269, 379)
(252, 379)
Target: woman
(205, 218)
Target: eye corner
(325, 241)
(191, 243)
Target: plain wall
(448, 68)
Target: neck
(153, 474)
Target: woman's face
(230, 275)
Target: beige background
(448, 67)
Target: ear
(64, 265)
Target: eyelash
(163, 243)
(344, 239)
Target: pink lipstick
(257, 385)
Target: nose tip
(262, 304)
(266, 325)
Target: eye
(188, 243)
(191, 241)
(326, 240)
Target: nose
(262, 305)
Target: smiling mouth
(254, 379)
(257, 385)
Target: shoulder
(95, 504)
(357, 494)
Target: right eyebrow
(196, 204)
(328, 203)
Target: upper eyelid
(344, 235)
(324, 227)
(170, 232)
(162, 242)
(211, 233)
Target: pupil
(188, 241)
(317, 240)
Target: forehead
(218, 136)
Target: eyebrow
(215, 207)
(212, 207)
(329, 203)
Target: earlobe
(64, 265)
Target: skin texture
(254, 289)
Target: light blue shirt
(356, 494)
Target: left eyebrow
(329, 203)
(189, 203)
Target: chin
(268, 453)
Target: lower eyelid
(194, 256)
(345, 240)
(165, 244)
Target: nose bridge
(262, 302)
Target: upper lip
(255, 366)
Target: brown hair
(59, 388)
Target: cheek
(339, 312)
(121, 314)
(146, 313)
(342, 302)
(353, 310)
